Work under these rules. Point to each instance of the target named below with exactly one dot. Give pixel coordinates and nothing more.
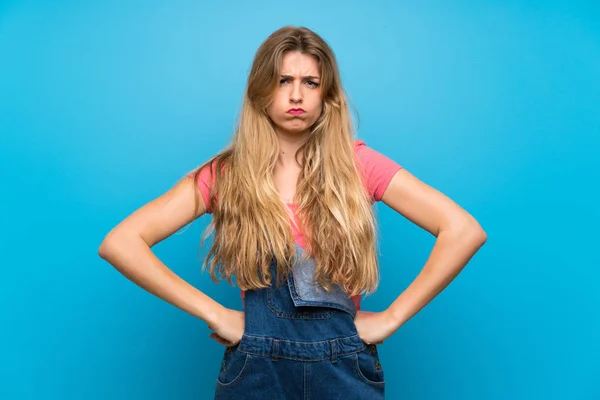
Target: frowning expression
(296, 103)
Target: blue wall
(105, 104)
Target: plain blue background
(104, 105)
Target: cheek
(277, 107)
(318, 108)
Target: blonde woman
(291, 200)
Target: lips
(296, 111)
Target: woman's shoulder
(376, 168)
(359, 144)
(205, 178)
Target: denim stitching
(306, 387)
(295, 315)
(267, 348)
(361, 376)
(239, 376)
(319, 341)
(299, 301)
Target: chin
(297, 129)
(293, 127)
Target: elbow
(469, 231)
(475, 234)
(105, 248)
(116, 242)
(480, 236)
(108, 246)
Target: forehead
(296, 63)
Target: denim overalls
(299, 342)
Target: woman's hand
(229, 327)
(374, 327)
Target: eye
(284, 80)
(312, 84)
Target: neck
(288, 146)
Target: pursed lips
(296, 111)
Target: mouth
(296, 111)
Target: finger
(220, 340)
(216, 336)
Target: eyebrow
(304, 77)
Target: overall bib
(300, 342)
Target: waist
(300, 350)
(355, 299)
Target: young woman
(291, 200)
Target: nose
(296, 93)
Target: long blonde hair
(250, 223)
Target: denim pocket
(280, 303)
(368, 367)
(233, 366)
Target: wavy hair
(251, 224)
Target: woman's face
(296, 103)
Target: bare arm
(459, 237)
(128, 248)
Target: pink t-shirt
(377, 171)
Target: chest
(285, 181)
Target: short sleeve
(204, 183)
(376, 168)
